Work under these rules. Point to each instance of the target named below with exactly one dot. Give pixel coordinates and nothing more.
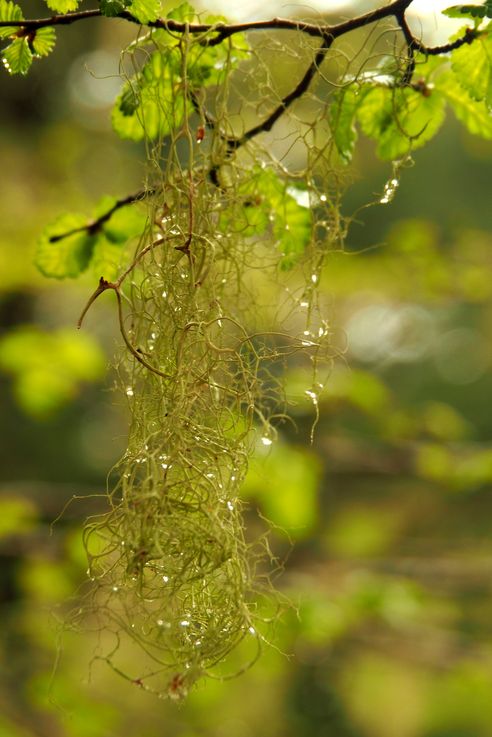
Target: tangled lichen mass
(170, 566)
(230, 235)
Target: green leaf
(401, 120)
(184, 13)
(292, 226)
(17, 58)
(9, 11)
(129, 100)
(145, 11)
(159, 106)
(67, 257)
(472, 65)
(474, 115)
(106, 258)
(266, 203)
(112, 8)
(126, 223)
(342, 120)
(469, 11)
(44, 41)
(62, 6)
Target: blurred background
(388, 513)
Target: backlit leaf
(401, 120)
(158, 107)
(66, 257)
(471, 64)
(112, 8)
(474, 115)
(17, 58)
(342, 120)
(145, 11)
(9, 11)
(62, 6)
(475, 12)
(44, 41)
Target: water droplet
(266, 441)
(230, 506)
(252, 630)
(389, 190)
(129, 391)
(165, 579)
(323, 198)
(115, 588)
(304, 304)
(314, 278)
(184, 623)
(313, 396)
(164, 295)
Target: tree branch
(223, 30)
(397, 9)
(55, 20)
(94, 226)
(287, 101)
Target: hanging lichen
(240, 209)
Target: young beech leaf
(62, 6)
(112, 8)
(145, 10)
(159, 106)
(44, 41)
(474, 115)
(9, 11)
(183, 13)
(401, 120)
(342, 119)
(17, 58)
(472, 65)
(67, 257)
(106, 257)
(126, 223)
(469, 11)
(292, 226)
(129, 99)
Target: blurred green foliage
(48, 367)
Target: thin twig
(94, 226)
(103, 286)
